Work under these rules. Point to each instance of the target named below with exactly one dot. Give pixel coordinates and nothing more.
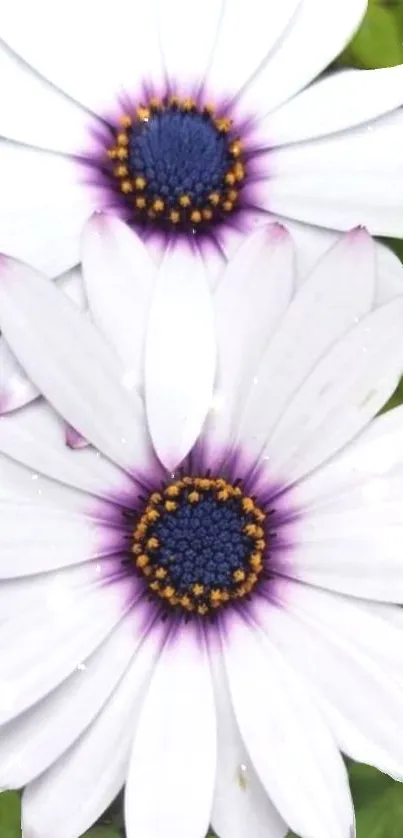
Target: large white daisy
(201, 607)
(192, 120)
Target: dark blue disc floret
(177, 166)
(200, 544)
(179, 153)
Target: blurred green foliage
(10, 815)
(379, 41)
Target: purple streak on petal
(73, 438)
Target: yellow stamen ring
(186, 212)
(149, 549)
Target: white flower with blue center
(190, 121)
(201, 606)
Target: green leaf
(366, 783)
(99, 832)
(383, 816)
(378, 42)
(10, 815)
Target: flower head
(190, 123)
(201, 608)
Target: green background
(378, 799)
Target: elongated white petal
(300, 55)
(34, 437)
(344, 167)
(339, 289)
(34, 741)
(254, 291)
(174, 749)
(214, 261)
(35, 538)
(245, 39)
(361, 95)
(180, 355)
(290, 746)
(71, 364)
(390, 275)
(119, 278)
(346, 651)
(46, 119)
(348, 537)
(16, 389)
(241, 805)
(186, 57)
(43, 206)
(342, 397)
(44, 644)
(370, 467)
(75, 30)
(355, 552)
(81, 785)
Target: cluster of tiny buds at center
(133, 185)
(199, 599)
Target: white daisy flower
(201, 607)
(190, 120)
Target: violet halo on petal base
(175, 166)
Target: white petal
(253, 294)
(339, 397)
(44, 644)
(241, 805)
(339, 290)
(180, 355)
(284, 733)
(35, 538)
(245, 38)
(81, 785)
(214, 261)
(350, 178)
(345, 652)
(35, 438)
(22, 485)
(32, 742)
(186, 54)
(174, 749)
(32, 111)
(334, 103)
(311, 244)
(348, 535)
(71, 364)
(363, 470)
(86, 50)
(119, 278)
(390, 275)
(301, 55)
(43, 207)
(16, 389)
(357, 551)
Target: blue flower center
(179, 153)
(200, 543)
(178, 166)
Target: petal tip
(359, 233)
(277, 232)
(74, 439)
